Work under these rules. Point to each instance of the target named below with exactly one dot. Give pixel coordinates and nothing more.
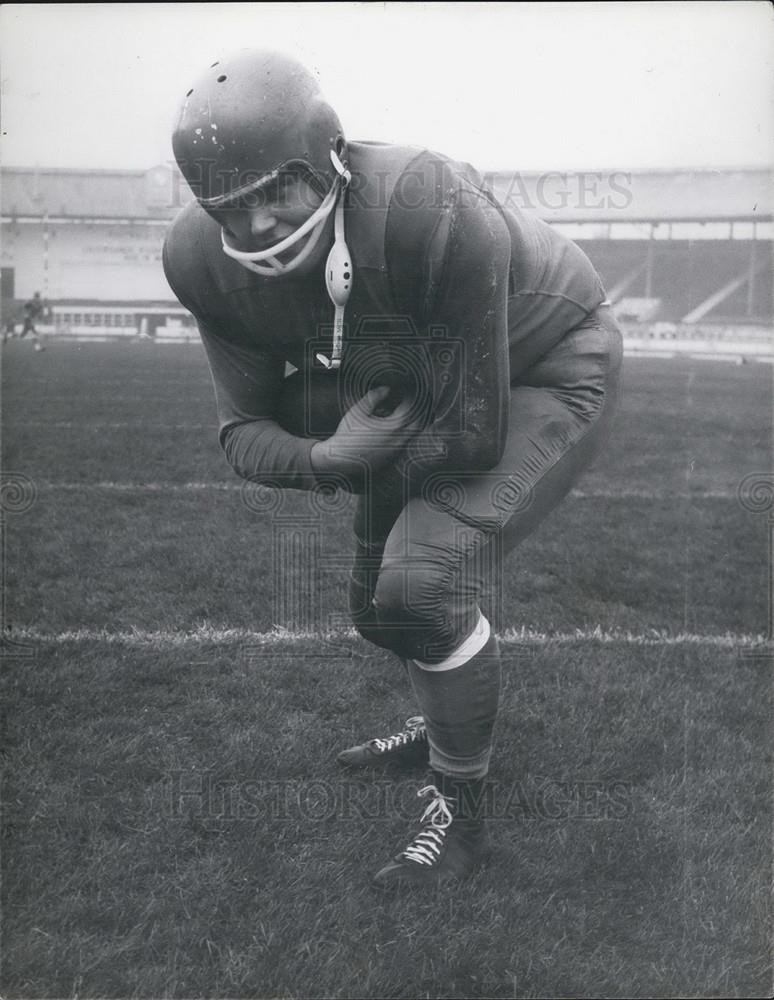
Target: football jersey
(453, 296)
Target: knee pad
(411, 606)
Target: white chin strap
(338, 267)
(338, 281)
(275, 267)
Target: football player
(33, 310)
(456, 367)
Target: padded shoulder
(186, 259)
(435, 202)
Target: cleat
(407, 748)
(449, 845)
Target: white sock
(467, 649)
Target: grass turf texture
(174, 823)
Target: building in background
(685, 255)
(90, 242)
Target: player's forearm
(333, 468)
(261, 451)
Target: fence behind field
(105, 322)
(172, 324)
(721, 342)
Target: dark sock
(459, 707)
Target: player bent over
(473, 381)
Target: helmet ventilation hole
(221, 78)
(189, 92)
(214, 64)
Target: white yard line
(279, 637)
(142, 487)
(236, 487)
(80, 425)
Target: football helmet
(248, 121)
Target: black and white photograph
(387, 500)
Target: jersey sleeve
(464, 271)
(247, 378)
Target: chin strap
(338, 267)
(338, 273)
(253, 259)
(266, 262)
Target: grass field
(176, 683)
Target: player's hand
(364, 438)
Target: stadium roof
(94, 194)
(587, 196)
(624, 196)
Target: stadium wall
(72, 259)
(670, 246)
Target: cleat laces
(415, 730)
(425, 848)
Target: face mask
(273, 267)
(338, 267)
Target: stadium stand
(686, 256)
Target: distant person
(34, 309)
(473, 382)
